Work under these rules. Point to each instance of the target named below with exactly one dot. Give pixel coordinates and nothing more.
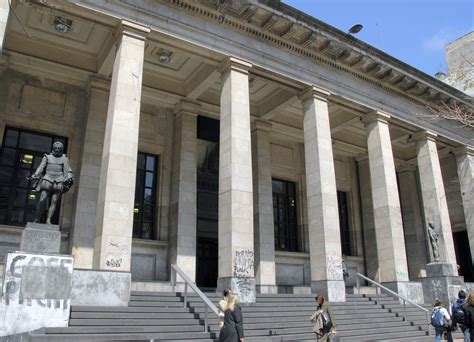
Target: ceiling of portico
(192, 71)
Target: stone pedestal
(36, 291)
(40, 238)
(408, 289)
(441, 282)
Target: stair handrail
(188, 282)
(405, 300)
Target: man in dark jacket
(469, 315)
(458, 315)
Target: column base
(332, 290)
(412, 290)
(441, 282)
(268, 289)
(244, 287)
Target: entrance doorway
(463, 255)
(207, 220)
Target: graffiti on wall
(244, 263)
(38, 280)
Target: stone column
(88, 187)
(465, 161)
(4, 10)
(263, 208)
(393, 269)
(323, 219)
(435, 206)
(183, 189)
(236, 252)
(114, 226)
(370, 242)
(413, 223)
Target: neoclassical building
(244, 141)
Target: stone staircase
(284, 317)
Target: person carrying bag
(324, 323)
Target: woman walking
(441, 321)
(233, 328)
(323, 320)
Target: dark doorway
(207, 219)
(206, 268)
(463, 255)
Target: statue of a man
(434, 240)
(53, 177)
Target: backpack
(327, 323)
(458, 314)
(437, 319)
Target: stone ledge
(100, 288)
(294, 255)
(149, 243)
(18, 230)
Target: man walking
(459, 314)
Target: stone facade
(363, 182)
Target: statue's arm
(39, 171)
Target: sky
(413, 31)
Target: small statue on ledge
(53, 177)
(434, 240)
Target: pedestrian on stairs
(441, 321)
(323, 319)
(233, 328)
(458, 314)
(469, 315)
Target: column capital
(186, 107)
(424, 135)
(232, 63)
(98, 83)
(374, 116)
(132, 29)
(314, 92)
(261, 125)
(462, 150)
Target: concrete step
(126, 309)
(132, 315)
(132, 322)
(155, 299)
(135, 337)
(123, 329)
(157, 304)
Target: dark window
(144, 211)
(344, 222)
(284, 215)
(207, 128)
(20, 155)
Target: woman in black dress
(233, 329)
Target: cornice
(354, 59)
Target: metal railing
(187, 282)
(405, 300)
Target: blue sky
(414, 31)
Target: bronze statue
(434, 240)
(53, 177)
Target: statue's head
(58, 148)
(431, 224)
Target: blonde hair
(232, 300)
(470, 299)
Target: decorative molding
(303, 48)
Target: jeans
(439, 335)
(467, 337)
